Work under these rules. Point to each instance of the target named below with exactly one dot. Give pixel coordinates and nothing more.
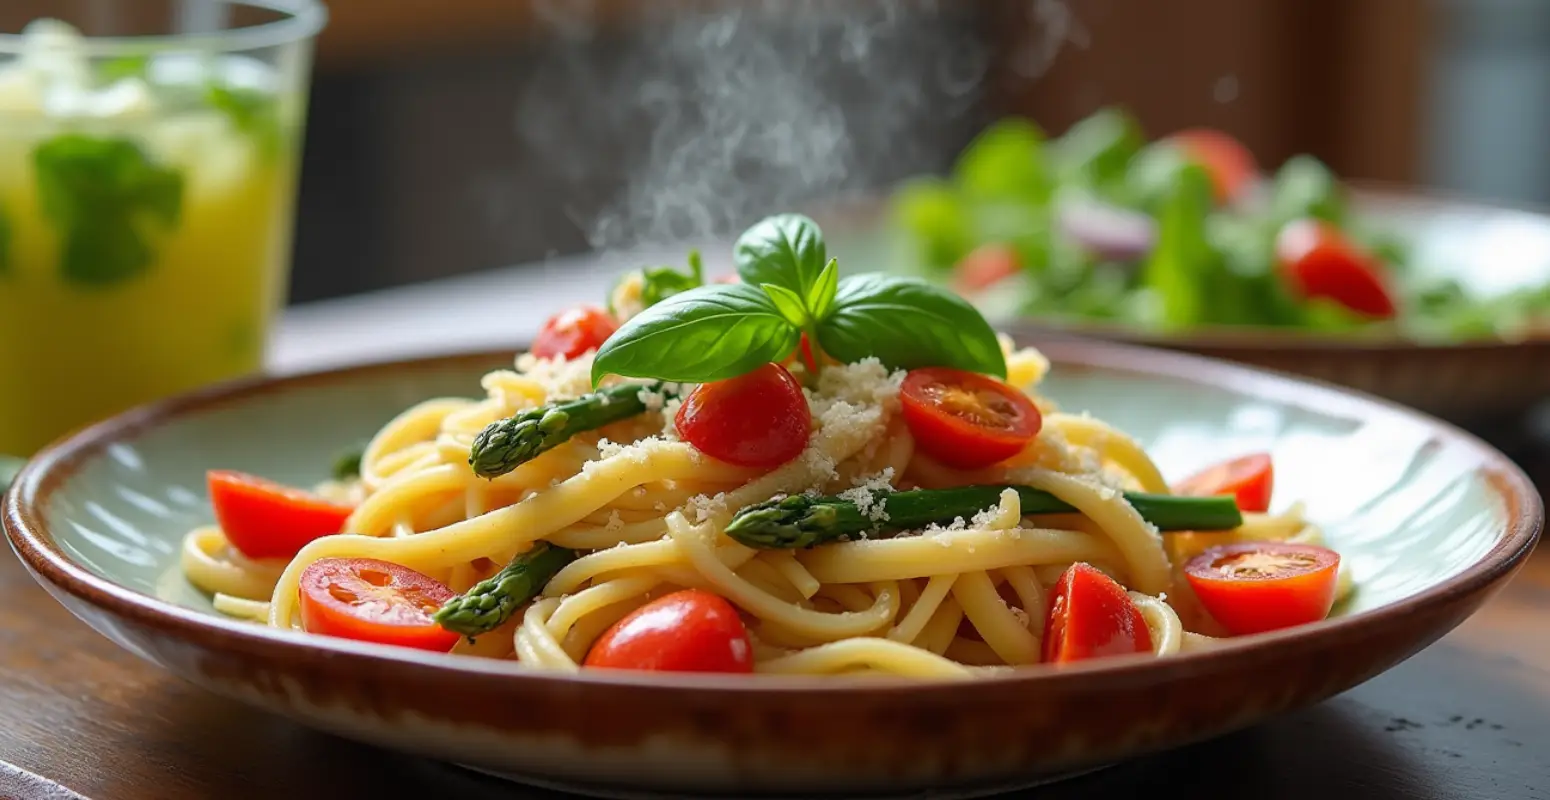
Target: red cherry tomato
(686, 631)
(1249, 479)
(1254, 587)
(1319, 261)
(985, 266)
(573, 332)
(1230, 164)
(760, 419)
(731, 278)
(264, 519)
(967, 420)
(374, 601)
(1091, 616)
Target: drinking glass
(148, 164)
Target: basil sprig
(790, 287)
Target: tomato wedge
(760, 419)
(374, 601)
(574, 332)
(1229, 163)
(1319, 261)
(984, 267)
(965, 419)
(1250, 479)
(686, 631)
(265, 519)
(1091, 616)
(1253, 587)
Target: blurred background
(446, 138)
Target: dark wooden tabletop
(1468, 717)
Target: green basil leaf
(786, 250)
(821, 299)
(704, 334)
(788, 303)
(908, 323)
(109, 200)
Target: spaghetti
(646, 515)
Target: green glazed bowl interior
(1407, 508)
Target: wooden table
(1467, 718)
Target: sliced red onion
(1108, 231)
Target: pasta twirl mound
(788, 473)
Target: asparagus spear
(492, 601)
(803, 520)
(507, 444)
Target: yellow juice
(118, 290)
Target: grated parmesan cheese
(615, 522)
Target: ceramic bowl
(1430, 520)
(1488, 248)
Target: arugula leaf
(107, 198)
(704, 334)
(1304, 187)
(786, 249)
(1006, 162)
(907, 323)
(253, 112)
(1176, 270)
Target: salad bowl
(1491, 247)
(1431, 521)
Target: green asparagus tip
(506, 444)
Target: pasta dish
(785, 472)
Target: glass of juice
(148, 165)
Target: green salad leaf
(1304, 187)
(110, 201)
(1007, 161)
(1098, 149)
(118, 69)
(1182, 259)
(937, 222)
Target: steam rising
(698, 120)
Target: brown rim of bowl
(866, 211)
(48, 470)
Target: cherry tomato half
(265, 519)
(573, 332)
(1252, 587)
(1091, 616)
(1229, 163)
(760, 419)
(984, 267)
(1249, 479)
(374, 601)
(686, 631)
(1319, 261)
(967, 420)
